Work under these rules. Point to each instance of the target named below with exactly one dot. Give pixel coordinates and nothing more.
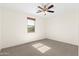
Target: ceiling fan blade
(50, 11)
(40, 7)
(50, 6)
(38, 11)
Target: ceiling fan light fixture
(45, 8)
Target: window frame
(33, 19)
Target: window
(30, 24)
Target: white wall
(0, 28)
(63, 24)
(14, 28)
(78, 50)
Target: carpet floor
(45, 47)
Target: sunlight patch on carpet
(37, 45)
(41, 47)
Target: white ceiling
(32, 7)
(24, 7)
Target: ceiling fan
(45, 8)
